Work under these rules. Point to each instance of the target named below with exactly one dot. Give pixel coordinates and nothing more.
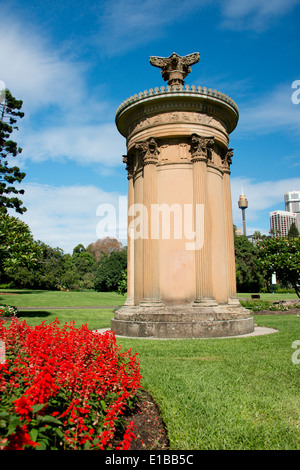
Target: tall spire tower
(243, 204)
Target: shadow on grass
(20, 292)
(33, 313)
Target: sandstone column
(149, 152)
(227, 160)
(130, 238)
(200, 154)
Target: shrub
(64, 388)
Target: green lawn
(270, 297)
(44, 298)
(95, 318)
(235, 393)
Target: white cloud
(84, 144)
(66, 216)
(125, 24)
(74, 122)
(35, 71)
(254, 14)
(272, 112)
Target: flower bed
(64, 388)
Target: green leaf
(59, 433)
(33, 433)
(38, 407)
(103, 404)
(42, 445)
(48, 419)
(14, 421)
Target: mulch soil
(290, 311)
(149, 428)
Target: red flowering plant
(64, 388)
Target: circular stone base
(182, 322)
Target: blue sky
(72, 63)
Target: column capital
(201, 148)
(227, 159)
(129, 166)
(149, 151)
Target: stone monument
(181, 264)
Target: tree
(47, 272)
(281, 256)
(293, 232)
(104, 245)
(9, 175)
(79, 269)
(248, 278)
(17, 246)
(79, 249)
(122, 286)
(109, 271)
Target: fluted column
(149, 150)
(200, 154)
(130, 236)
(229, 226)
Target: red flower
(69, 373)
(20, 439)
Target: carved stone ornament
(129, 165)
(175, 68)
(200, 147)
(149, 150)
(227, 158)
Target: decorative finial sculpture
(175, 68)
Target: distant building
(292, 204)
(292, 201)
(281, 221)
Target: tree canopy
(104, 245)
(17, 246)
(10, 112)
(109, 272)
(293, 232)
(281, 256)
(248, 277)
(53, 269)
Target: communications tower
(243, 204)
